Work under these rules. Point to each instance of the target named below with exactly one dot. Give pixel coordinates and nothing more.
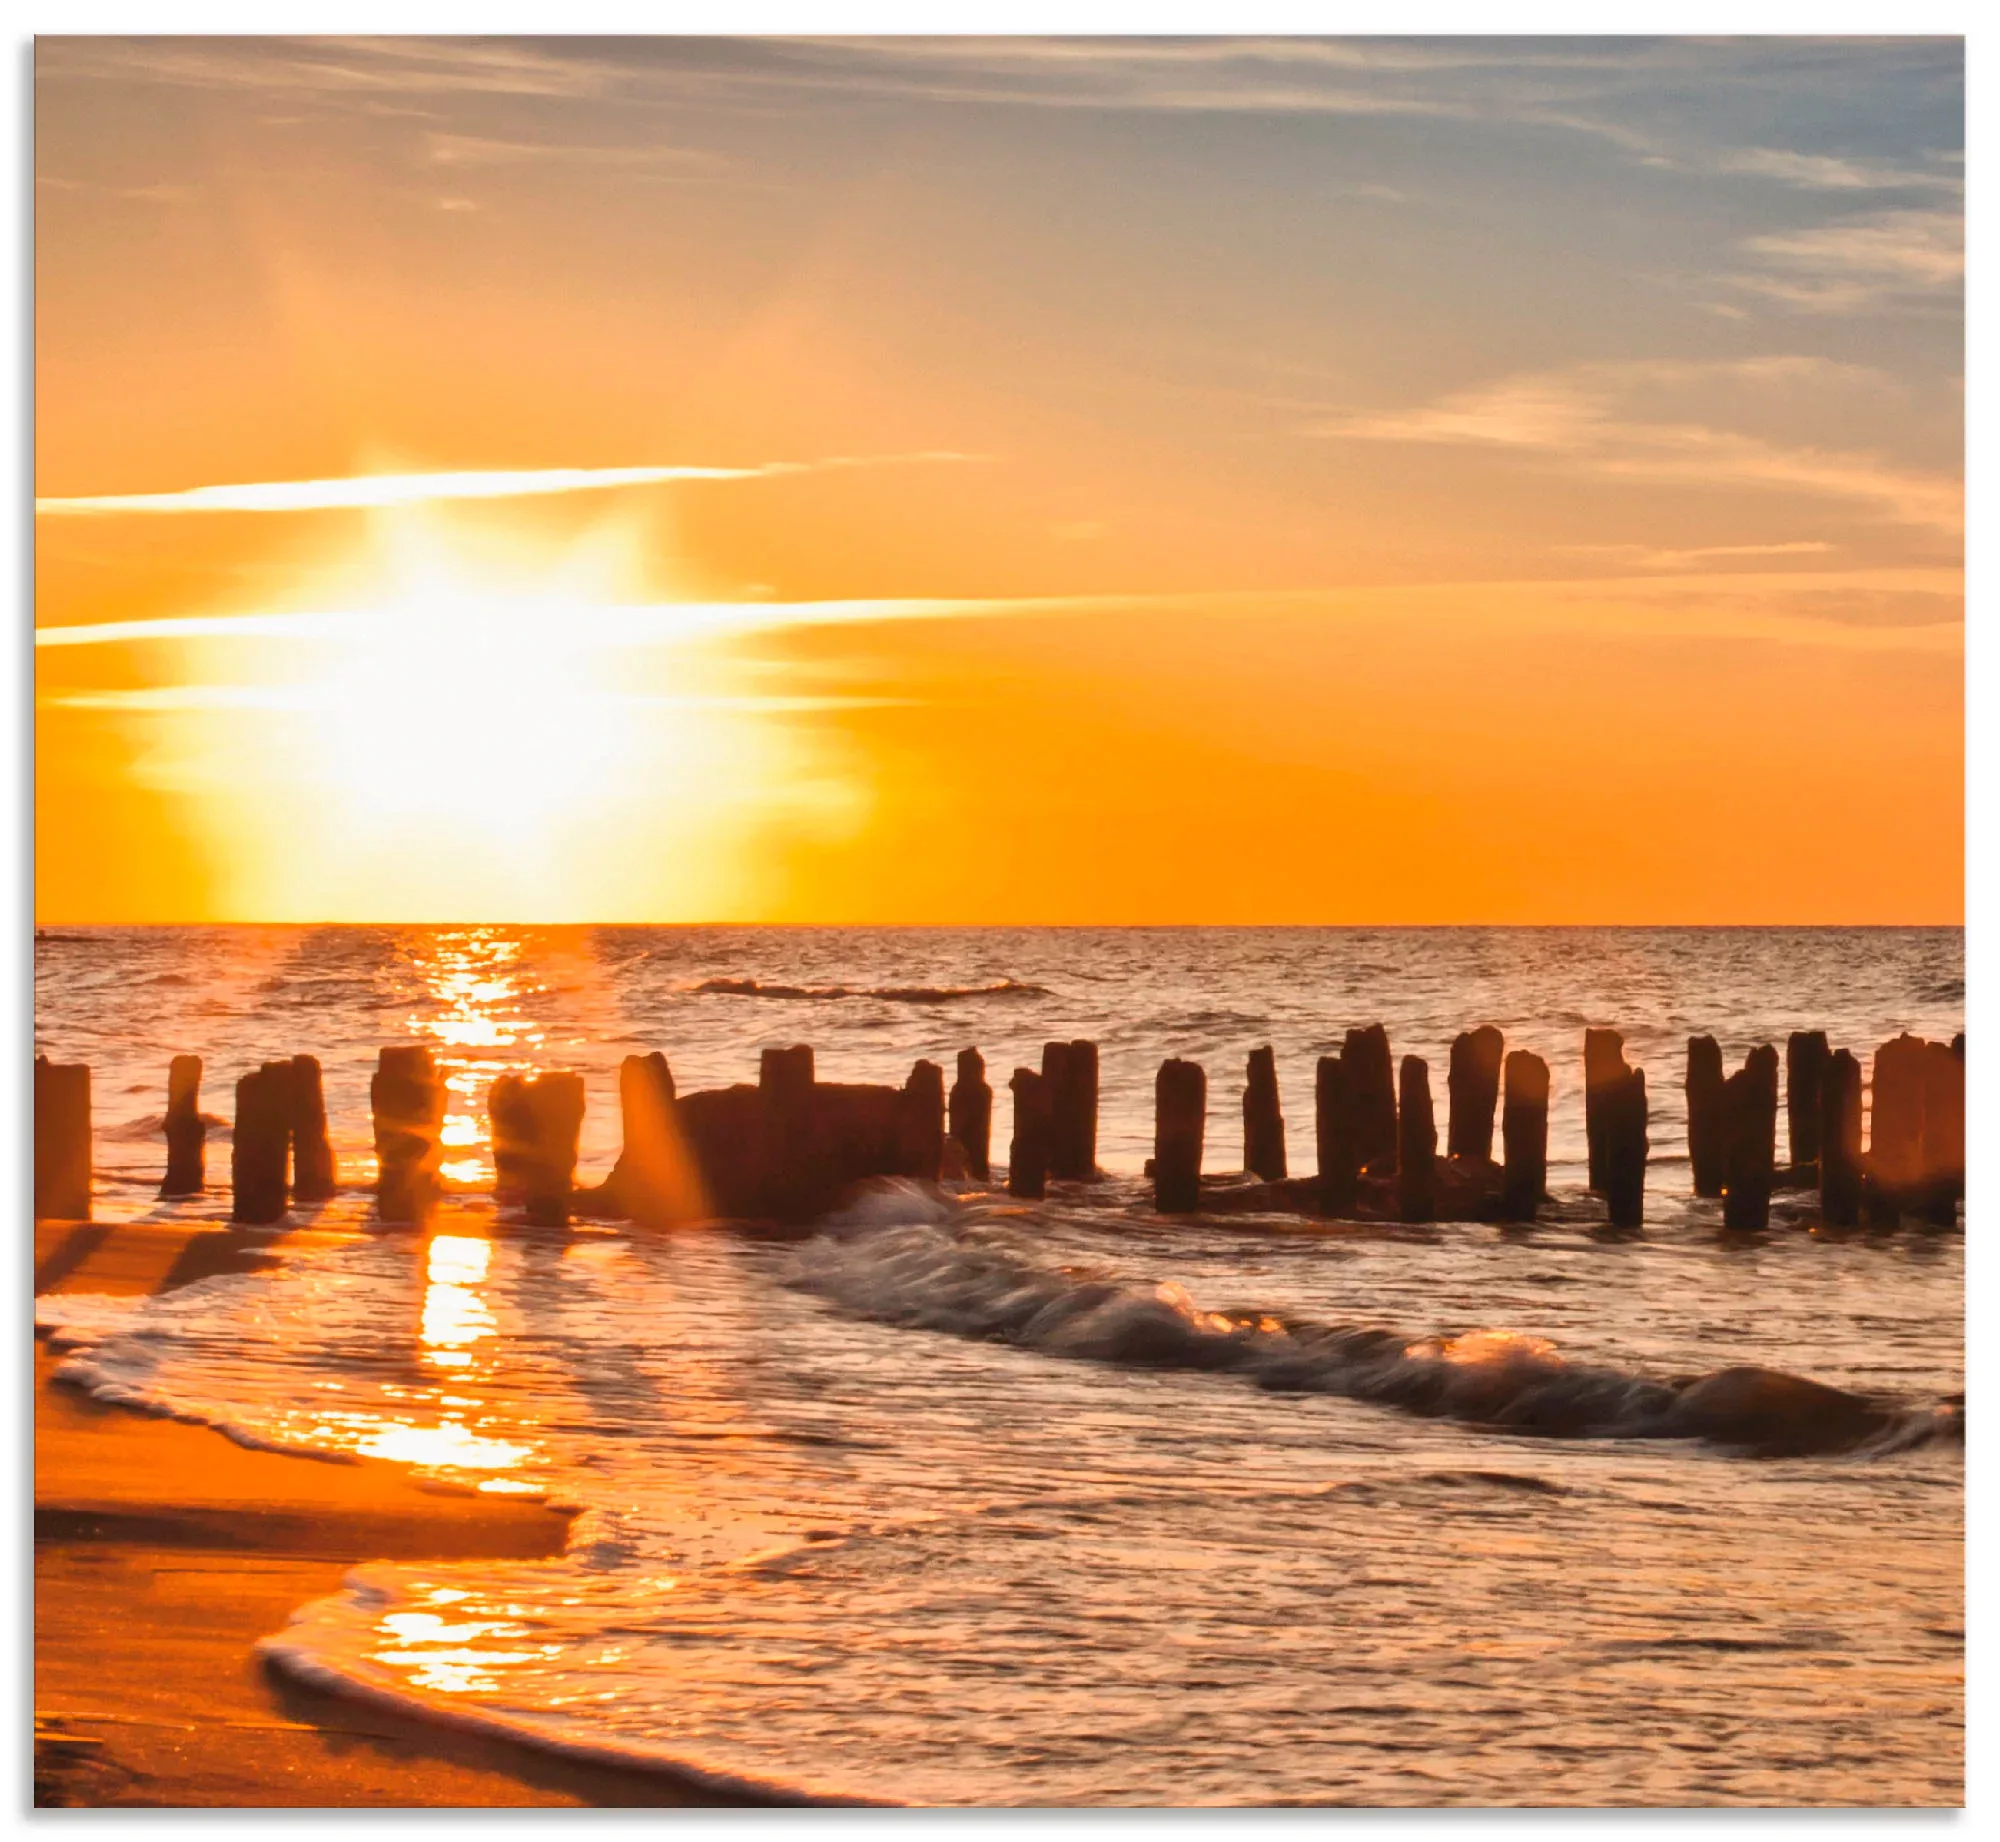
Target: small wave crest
(893, 994)
(971, 1279)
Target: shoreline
(164, 1552)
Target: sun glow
(484, 733)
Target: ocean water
(952, 1499)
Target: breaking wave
(973, 1279)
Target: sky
(980, 481)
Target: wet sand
(163, 1552)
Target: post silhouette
(656, 1180)
(972, 1114)
(1263, 1122)
(795, 1182)
(1473, 1085)
(1840, 1141)
(1416, 1146)
(1806, 1057)
(1180, 1118)
(553, 1108)
(62, 1141)
(260, 1145)
(920, 1122)
(1524, 1135)
(1750, 1099)
(187, 1131)
(1371, 1097)
(1708, 1128)
(1334, 1139)
(1896, 1117)
(1622, 1116)
(313, 1172)
(1941, 1178)
(1069, 1071)
(1603, 1066)
(407, 1100)
(1028, 1154)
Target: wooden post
(261, 1144)
(1806, 1057)
(1416, 1144)
(1473, 1084)
(510, 1123)
(62, 1141)
(655, 1181)
(1708, 1126)
(1840, 1141)
(1371, 1097)
(1750, 1096)
(1180, 1116)
(187, 1131)
(1339, 1156)
(920, 1121)
(407, 1100)
(313, 1171)
(1069, 1070)
(972, 1114)
(1941, 1178)
(1263, 1122)
(1622, 1113)
(555, 1106)
(1524, 1135)
(1028, 1155)
(1896, 1122)
(1603, 1067)
(794, 1180)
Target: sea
(954, 1499)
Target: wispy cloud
(1860, 263)
(369, 491)
(1587, 418)
(1646, 556)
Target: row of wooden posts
(792, 1145)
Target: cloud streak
(1584, 418)
(373, 491)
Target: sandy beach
(163, 1552)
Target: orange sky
(1307, 481)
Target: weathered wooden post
(1708, 1125)
(187, 1131)
(1263, 1121)
(1840, 1141)
(1806, 1057)
(1333, 1131)
(1371, 1097)
(1750, 1098)
(972, 1114)
(555, 1105)
(1942, 1178)
(313, 1171)
(1473, 1084)
(920, 1122)
(62, 1141)
(1069, 1071)
(1622, 1115)
(794, 1182)
(1416, 1144)
(407, 1100)
(260, 1144)
(1524, 1135)
(1896, 1122)
(1028, 1155)
(1180, 1116)
(1603, 1066)
(510, 1123)
(654, 1181)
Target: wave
(972, 1280)
(894, 994)
(318, 1648)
